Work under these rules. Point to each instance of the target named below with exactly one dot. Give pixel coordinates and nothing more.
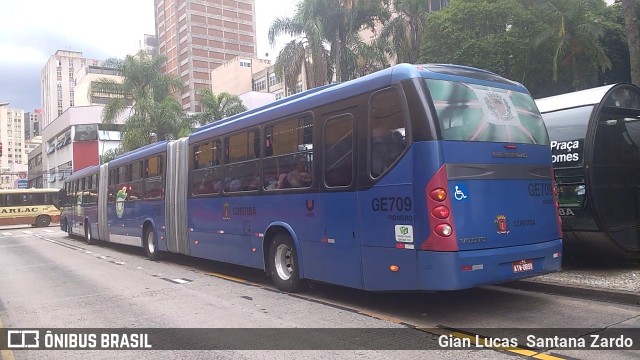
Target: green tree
(305, 53)
(325, 39)
(404, 30)
(574, 32)
(342, 22)
(217, 107)
(145, 93)
(494, 35)
(633, 38)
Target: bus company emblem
(501, 225)
(310, 205)
(121, 196)
(225, 212)
(498, 106)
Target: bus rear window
(470, 112)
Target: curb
(606, 295)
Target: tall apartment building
(32, 123)
(197, 36)
(12, 144)
(58, 82)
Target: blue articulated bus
(79, 204)
(417, 177)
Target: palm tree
(342, 21)
(326, 39)
(217, 107)
(404, 30)
(305, 53)
(573, 35)
(145, 92)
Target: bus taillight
(441, 212)
(441, 235)
(444, 230)
(438, 194)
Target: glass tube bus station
(595, 143)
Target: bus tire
(87, 234)
(43, 221)
(283, 264)
(150, 244)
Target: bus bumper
(466, 269)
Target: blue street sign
(23, 183)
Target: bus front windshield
(471, 112)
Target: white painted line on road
(47, 230)
(27, 232)
(7, 234)
(178, 281)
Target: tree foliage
(217, 107)
(144, 96)
(550, 46)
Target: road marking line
(547, 357)
(5, 354)
(47, 230)
(226, 277)
(27, 232)
(7, 234)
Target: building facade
(32, 124)
(12, 147)
(85, 76)
(75, 140)
(197, 36)
(57, 83)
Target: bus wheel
(87, 234)
(150, 244)
(43, 220)
(283, 264)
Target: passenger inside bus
(386, 147)
(299, 177)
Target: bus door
(339, 249)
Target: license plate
(522, 266)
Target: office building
(58, 83)
(197, 36)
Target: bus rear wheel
(283, 264)
(43, 220)
(87, 234)
(150, 245)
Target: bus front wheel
(43, 220)
(283, 264)
(150, 244)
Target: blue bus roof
(83, 172)
(142, 152)
(334, 92)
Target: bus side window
(338, 151)
(387, 132)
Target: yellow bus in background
(35, 207)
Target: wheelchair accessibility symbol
(459, 194)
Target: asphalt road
(48, 280)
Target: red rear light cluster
(442, 234)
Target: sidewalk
(620, 285)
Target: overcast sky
(32, 30)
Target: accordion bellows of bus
(595, 144)
(35, 207)
(416, 177)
